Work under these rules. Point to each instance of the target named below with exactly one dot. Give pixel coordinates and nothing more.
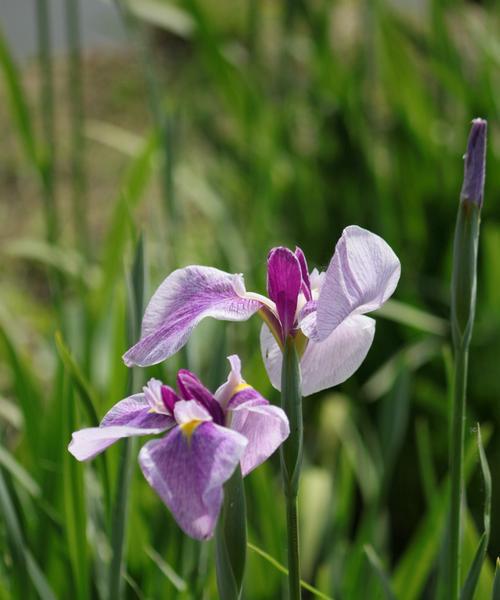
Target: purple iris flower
(208, 436)
(323, 311)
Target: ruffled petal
(188, 471)
(264, 425)
(129, 417)
(284, 282)
(328, 363)
(185, 298)
(362, 275)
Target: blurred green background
(216, 130)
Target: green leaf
(496, 584)
(19, 472)
(278, 566)
(165, 15)
(132, 189)
(379, 570)
(414, 567)
(23, 381)
(23, 555)
(471, 581)
(80, 381)
(231, 539)
(176, 580)
(405, 314)
(17, 102)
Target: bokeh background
(207, 131)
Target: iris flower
(208, 435)
(323, 311)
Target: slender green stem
(291, 459)
(463, 302)
(456, 468)
(292, 525)
(120, 507)
(119, 521)
(231, 539)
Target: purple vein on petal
(185, 298)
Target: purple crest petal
(185, 298)
(169, 398)
(306, 284)
(362, 275)
(264, 426)
(284, 281)
(129, 417)
(188, 473)
(191, 388)
(324, 364)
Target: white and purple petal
(328, 363)
(225, 391)
(185, 298)
(362, 275)
(306, 284)
(188, 472)
(127, 418)
(264, 425)
(284, 282)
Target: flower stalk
(463, 305)
(291, 459)
(231, 539)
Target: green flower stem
(291, 459)
(231, 539)
(463, 301)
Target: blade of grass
(24, 560)
(18, 106)
(415, 566)
(9, 463)
(472, 579)
(496, 584)
(178, 582)
(277, 565)
(119, 525)
(74, 503)
(403, 313)
(83, 386)
(380, 572)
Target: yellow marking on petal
(189, 427)
(241, 386)
(301, 342)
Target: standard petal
(328, 363)
(188, 473)
(264, 426)
(284, 281)
(226, 390)
(362, 275)
(185, 298)
(129, 417)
